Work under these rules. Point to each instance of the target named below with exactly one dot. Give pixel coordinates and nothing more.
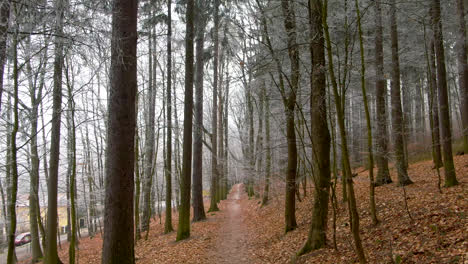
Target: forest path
(231, 242)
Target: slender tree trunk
(266, 191)
(197, 191)
(320, 134)
(118, 245)
(168, 162)
(368, 120)
(149, 144)
(383, 175)
(293, 52)
(462, 71)
(214, 117)
(434, 98)
(137, 175)
(34, 213)
(446, 137)
(397, 114)
(183, 231)
(72, 171)
(354, 216)
(51, 255)
(13, 166)
(4, 21)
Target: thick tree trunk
(383, 175)
(320, 134)
(214, 116)
(446, 133)
(462, 71)
(51, 255)
(293, 52)
(397, 114)
(197, 176)
(183, 230)
(118, 245)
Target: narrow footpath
(232, 241)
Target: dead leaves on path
(438, 232)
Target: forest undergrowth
(430, 227)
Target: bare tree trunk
(462, 71)
(4, 21)
(197, 188)
(149, 143)
(354, 216)
(183, 231)
(51, 255)
(214, 117)
(168, 162)
(368, 120)
(397, 114)
(383, 175)
(137, 175)
(34, 213)
(293, 52)
(446, 137)
(320, 135)
(72, 171)
(13, 164)
(434, 98)
(118, 245)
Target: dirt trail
(231, 242)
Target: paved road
(24, 252)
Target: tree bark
(197, 176)
(13, 166)
(168, 162)
(183, 231)
(51, 255)
(353, 213)
(4, 21)
(383, 175)
(437, 155)
(293, 52)
(446, 133)
(149, 143)
(118, 245)
(372, 206)
(320, 134)
(214, 116)
(462, 71)
(397, 114)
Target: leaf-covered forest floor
(434, 231)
